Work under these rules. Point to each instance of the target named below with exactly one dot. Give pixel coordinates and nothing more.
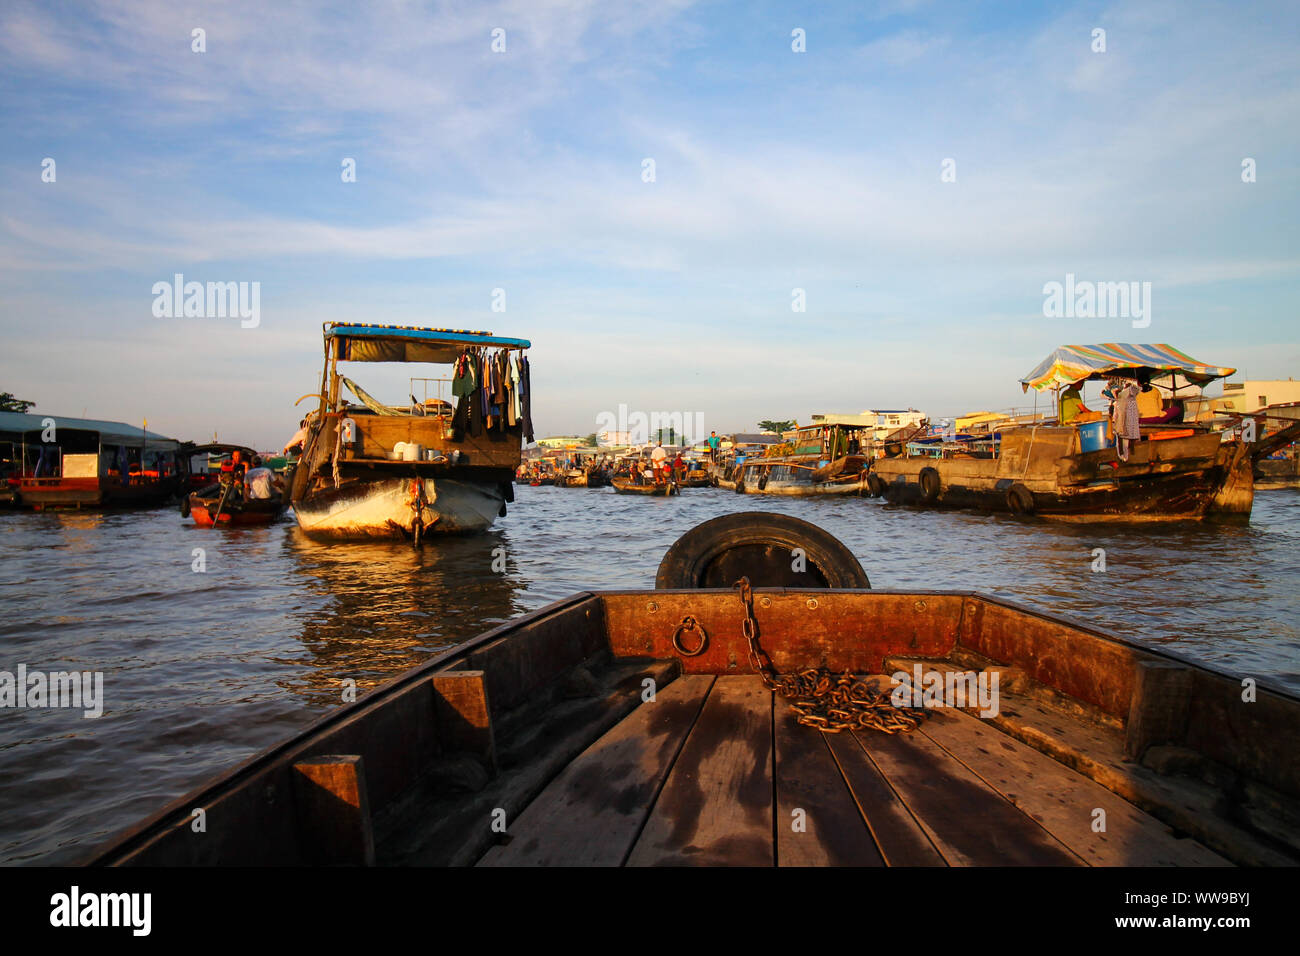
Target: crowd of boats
(1150, 448)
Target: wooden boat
(373, 470)
(213, 506)
(88, 463)
(1277, 463)
(626, 486)
(1177, 472)
(828, 458)
(635, 728)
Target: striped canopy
(1070, 363)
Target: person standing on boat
(713, 441)
(658, 458)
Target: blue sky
(522, 170)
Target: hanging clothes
(526, 396)
(512, 393)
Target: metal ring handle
(689, 624)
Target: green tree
(10, 404)
(777, 427)
(590, 440)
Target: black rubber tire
(762, 482)
(930, 484)
(1020, 500)
(758, 545)
(185, 506)
(740, 486)
(875, 485)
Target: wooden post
(333, 811)
(1159, 706)
(463, 715)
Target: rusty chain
(821, 699)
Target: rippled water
(201, 670)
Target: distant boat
(625, 486)
(1072, 472)
(89, 463)
(374, 470)
(828, 458)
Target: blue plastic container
(1092, 436)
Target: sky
(919, 170)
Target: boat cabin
(72, 462)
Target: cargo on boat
(375, 470)
(694, 724)
(59, 462)
(1072, 469)
(829, 458)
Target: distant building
(560, 441)
(1254, 394)
(610, 439)
(883, 420)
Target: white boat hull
(387, 509)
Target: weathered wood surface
(591, 813)
(716, 806)
(1159, 706)
(333, 811)
(447, 823)
(1190, 806)
(1062, 800)
(818, 823)
(898, 835)
(838, 629)
(463, 714)
(969, 821)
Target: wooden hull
(40, 493)
(1274, 473)
(386, 508)
(236, 514)
(581, 768)
(1175, 480)
(624, 487)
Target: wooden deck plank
(818, 823)
(899, 837)
(1063, 800)
(591, 813)
(969, 821)
(716, 807)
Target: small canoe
(206, 505)
(625, 486)
(700, 725)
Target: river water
(203, 668)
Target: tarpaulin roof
(110, 433)
(361, 342)
(1070, 363)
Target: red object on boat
(235, 514)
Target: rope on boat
(829, 702)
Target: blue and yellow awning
(1070, 363)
